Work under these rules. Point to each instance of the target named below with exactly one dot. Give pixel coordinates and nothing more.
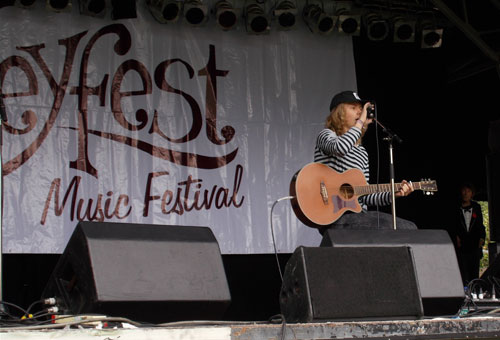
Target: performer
(338, 145)
(470, 233)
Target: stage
(481, 327)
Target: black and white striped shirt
(342, 153)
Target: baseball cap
(345, 97)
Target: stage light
(24, 3)
(226, 15)
(404, 30)
(123, 9)
(59, 5)
(348, 20)
(164, 11)
(377, 28)
(93, 8)
(256, 19)
(431, 37)
(195, 12)
(285, 12)
(350, 24)
(317, 20)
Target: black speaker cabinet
(354, 283)
(438, 274)
(491, 275)
(153, 273)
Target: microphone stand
(390, 138)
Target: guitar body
(322, 195)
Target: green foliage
(486, 220)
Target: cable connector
(53, 309)
(50, 301)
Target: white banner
(139, 122)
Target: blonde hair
(336, 122)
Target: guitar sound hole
(346, 191)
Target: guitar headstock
(428, 186)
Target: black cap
(345, 97)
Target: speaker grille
(350, 283)
(146, 272)
(436, 264)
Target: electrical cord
(272, 232)
(208, 323)
(280, 318)
(472, 297)
(76, 323)
(5, 313)
(13, 305)
(33, 305)
(471, 286)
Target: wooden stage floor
(480, 327)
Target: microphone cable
(272, 232)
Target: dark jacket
(469, 240)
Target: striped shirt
(342, 153)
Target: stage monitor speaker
(438, 274)
(355, 283)
(148, 273)
(491, 276)
(493, 252)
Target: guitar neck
(374, 188)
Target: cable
(13, 305)
(73, 323)
(207, 323)
(46, 301)
(33, 305)
(473, 283)
(280, 318)
(272, 232)
(283, 329)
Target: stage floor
(483, 327)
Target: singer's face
(352, 112)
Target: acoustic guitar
(322, 195)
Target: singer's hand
(364, 115)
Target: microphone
(370, 110)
